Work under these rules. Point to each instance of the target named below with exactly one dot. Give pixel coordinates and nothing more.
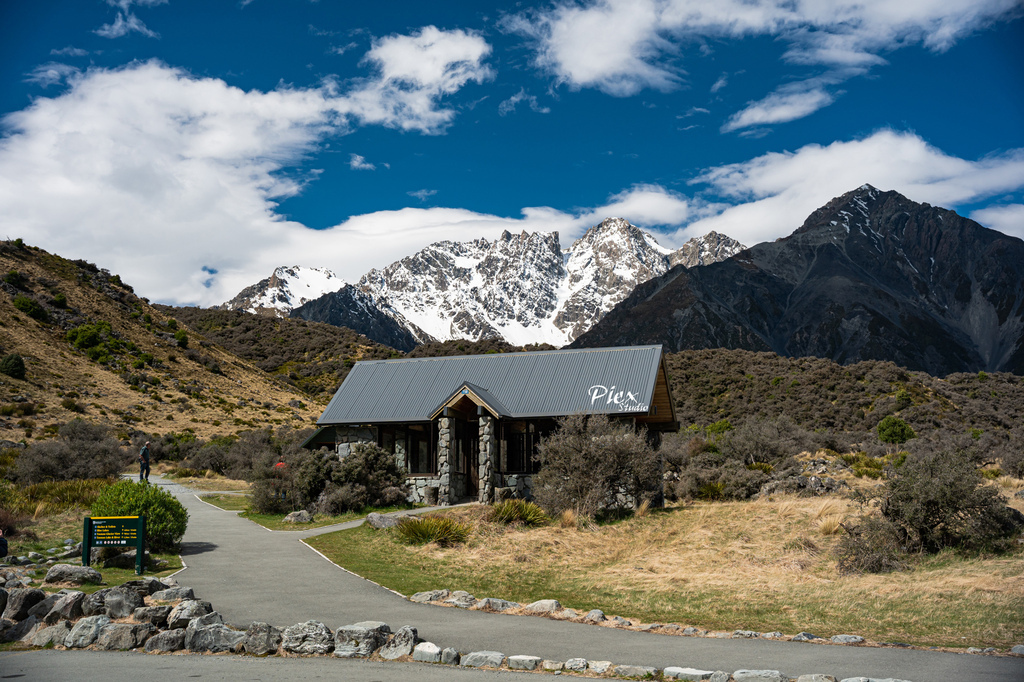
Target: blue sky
(194, 146)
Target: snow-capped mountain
(286, 289)
(521, 288)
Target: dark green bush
(872, 546)
(30, 307)
(60, 300)
(368, 476)
(13, 366)
(443, 530)
(166, 518)
(181, 337)
(894, 431)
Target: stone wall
(517, 486)
(347, 436)
(418, 488)
(444, 453)
(488, 451)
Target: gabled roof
(519, 385)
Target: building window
(419, 449)
(521, 440)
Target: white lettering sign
(624, 401)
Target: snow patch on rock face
(287, 288)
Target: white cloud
(413, 73)
(125, 23)
(509, 105)
(422, 194)
(156, 174)
(646, 205)
(722, 81)
(357, 162)
(69, 51)
(624, 46)
(788, 103)
(49, 74)
(1008, 219)
(772, 194)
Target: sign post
(106, 531)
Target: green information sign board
(112, 531)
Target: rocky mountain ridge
(870, 275)
(523, 289)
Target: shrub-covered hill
(818, 394)
(313, 356)
(91, 348)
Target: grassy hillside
(94, 349)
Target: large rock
(492, 604)
(426, 652)
(401, 644)
(68, 607)
(187, 610)
(595, 616)
(638, 671)
(147, 585)
(215, 639)
(120, 602)
(691, 674)
(461, 598)
(359, 641)
(450, 656)
(85, 631)
(543, 606)
(429, 596)
(3, 599)
(301, 516)
(262, 639)
(311, 637)
(599, 667)
(576, 665)
(169, 640)
(43, 607)
(805, 637)
(124, 636)
(174, 594)
(53, 635)
(483, 659)
(380, 521)
(759, 676)
(522, 662)
(11, 631)
(816, 677)
(74, 575)
(847, 639)
(157, 615)
(20, 601)
(194, 625)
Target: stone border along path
(257, 576)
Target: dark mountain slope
(871, 275)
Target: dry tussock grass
(741, 558)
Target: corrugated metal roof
(541, 384)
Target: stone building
(467, 427)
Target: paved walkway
(251, 574)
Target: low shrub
(81, 450)
(13, 366)
(518, 512)
(442, 530)
(166, 518)
(872, 546)
(30, 307)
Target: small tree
(166, 518)
(893, 431)
(591, 462)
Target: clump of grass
(761, 466)
(831, 525)
(518, 512)
(991, 474)
(567, 519)
(864, 465)
(53, 497)
(442, 530)
(643, 510)
(185, 472)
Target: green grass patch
(239, 503)
(276, 521)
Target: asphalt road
(251, 574)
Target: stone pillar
(488, 448)
(444, 445)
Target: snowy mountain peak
(711, 248)
(285, 289)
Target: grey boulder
(637, 671)
(359, 640)
(85, 631)
(401, 644)
(174, 594)
(595, 616)
(805, 637)
(429, 596)
(19, 601)
(301, 516)
(74, 575)
(68, 607)
(483, 659)
(759, 676)
(186, 611)
(166, 641)
(311, 637)
(522, 662)
(157, 615)
(380, 521)
(53, 635)
(491, 604)
(543, 606)
(124, 636)
(262, 639)
(426, 652)
(215, 639)
(11, 631)
(847, 639)
(691, 674)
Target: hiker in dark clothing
(144, 463)
(3, 544)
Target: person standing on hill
(144, 463)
